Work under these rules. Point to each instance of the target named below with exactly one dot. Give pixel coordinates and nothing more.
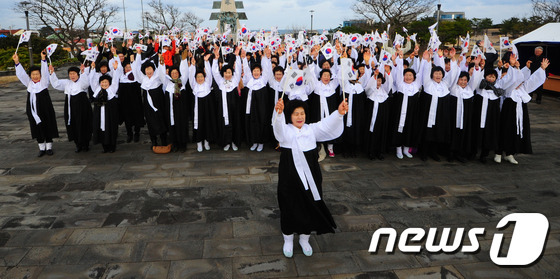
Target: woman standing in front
(302, 209)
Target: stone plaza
(136, 214)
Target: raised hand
(545, 63)
(116, 64)
(279, 106)
(51, 69)
(512, 59)
(343, 107)
(15, 57)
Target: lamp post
(124, 12)
(438, 10)
(26, 4)
(143, 27)
(312, 11)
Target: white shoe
(288, 248)
(260, 148)
(406, 153)
(206, 145)
(510, 159)
(399, 152)
(498, 158)
(226, 148)
(254, 147)
(322, 154)
(305, 246)
(199, 146)
(234, 147)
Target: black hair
(405, 63)
(74, 69)
(437, 69)
(471, 65)
(292, 106)
(488, 72)
(326, 61)
(504, 70)
(225, 68)
(464, 74)
(172, 68)
(278, 69)
(255, 66)
(447, 60)
(325, 71)
(148, 64)
(380, 76)
(200, 71)
(34, 68)
(105, 77)
(125, 62)
(103, 63)
(407, 70)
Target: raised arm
(44, 71)
(117, 73)
(329, 128)
(56, 83)
(248, 74)
(184, 70)
(216, 72)
(237, 70)
(93, 83)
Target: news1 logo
(526, 245)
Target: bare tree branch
(549, 10)
(394, 12)
(169, 16)
(71, 20)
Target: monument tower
(228, 15)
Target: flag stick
(17, 48)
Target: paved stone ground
(134, 214)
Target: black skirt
(488, 137)
(354, 134)
(377, 142)
(258, 122)
(440, 132)
(232, 132)
(314, 103)
(157, 121)
(179, 132)
(510, 142)
(461, 139)
(410, 135)
(299, 212)
(207, 119)
(47, 129)
(81, 119)
(109, 136)
(130, 104)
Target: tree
(395, 12)
(547, 9)
(74, 20)
(479, 25)
(169, 16)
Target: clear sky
(286, 13)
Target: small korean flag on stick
(50, 50)
(328, 51)
(505, 43)
(23, 38)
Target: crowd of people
(429, 104)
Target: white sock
(304, 243)
(330, 148)
(199, 146)
(206, 145)
(42, 146)
(288, 245)
(399, 152)
(255, 145)
(233, 146)
(226, 148)
(406, 153)
(260, 148)
(49, 145)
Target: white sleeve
(535, 80)
(56, 83)
(94, 84)
(216, 72)
(247, 72)
(184, 70)
(208, 70)
(329, 128)
(192, 75)
(44, 73)
(279, 126)
(237, 70)
(22, 75)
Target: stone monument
(228, 15)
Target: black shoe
(424, 158)
(41, 153)
(50, 152)
(78, 149)
(380, 157)
(539, 102)
(128, 138)
(371, 157)
(85, 148)
(482, 160)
